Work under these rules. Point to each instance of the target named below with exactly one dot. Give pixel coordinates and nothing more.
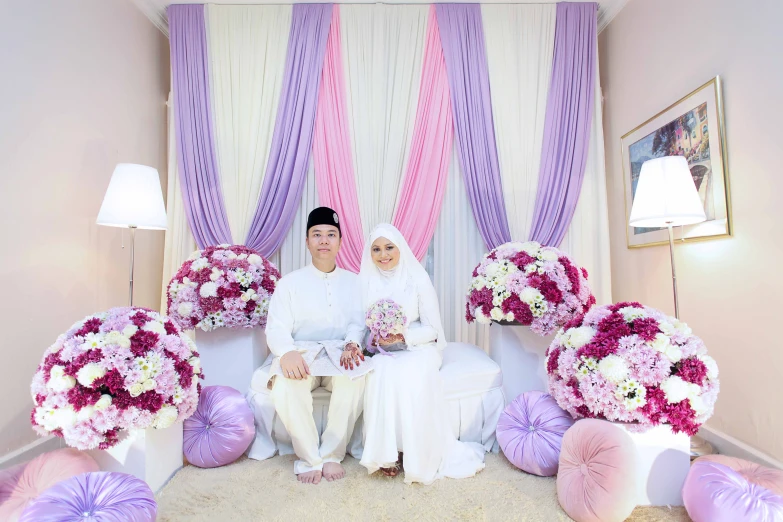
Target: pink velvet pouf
(19, 485)
(530, 431)
(597, 477)
(715, 492)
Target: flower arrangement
(533, 285)
(385, 319)
(631, 363)
(223, 286)
(128, 368)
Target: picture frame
(692, 127)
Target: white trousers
(294, 405)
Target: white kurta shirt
(310, 305)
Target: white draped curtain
(247, 51)
(382, 47)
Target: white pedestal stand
(663, 461)
(229, 356)
(520, 353)
(151, 455)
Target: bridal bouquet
(223, 286)
(128, 368)
(631, 363)
(533, 285)
(385, 319)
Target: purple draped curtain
(462, 37)
(196, 157)
(293, 135)
(569, 116)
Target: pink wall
(652, 54)
(84, 86)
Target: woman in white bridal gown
(405, 413)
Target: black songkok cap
(323, 216)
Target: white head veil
(398, 282)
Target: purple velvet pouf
(221, 429)
(716, 493)
(530, 432)
(100, 496)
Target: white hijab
(400, 282)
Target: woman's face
(385, 254)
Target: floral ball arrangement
(533, 285)
(385, 318)
(128, 368)
(223, 286)
(631, 363)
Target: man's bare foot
(311, 477)
(333, 471)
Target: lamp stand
(132, 246)
(674, 274)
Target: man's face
(323, 242)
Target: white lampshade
(666, 194)
(134, 198)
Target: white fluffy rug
(268, 490)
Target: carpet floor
(251, 490)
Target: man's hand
(352, 356)
(294, 366)
(388, 341)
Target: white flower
(548, 255)
(637, 401)
(631, 313)
(531, 247)
(130, 330)
(682, 327)
(660, 343)
(92, 340)
(530, 295)
(85, 413)
(115, 337)
(699, 406)
(509, 316)
(46, 418)
(255, 259)
(178, 396)
(165, 417)
(591, 363)
(185, 309)
(195, 255)
(613, 368)
(148, 385)
(189, 342)
(577, 337)
(208, 289)
(232, 255)
(677, 390)
(216, 273)
(103, 403)
(195, 362)
(492, 270)
(712, 366)
(89, 372)
(497, 314)
(199, 264)
(247, 295)
(58, 381)
(481, 317)
(65, 417)
(155, 326)
(136, 390)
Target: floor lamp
(666, 196)
(134, 200)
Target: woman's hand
(352, 357)
(388, 341)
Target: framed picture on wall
(693, 127)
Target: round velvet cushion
(21, 484)
(714, 492)
(530, 432)
(102, 496)
(597, 476)
(768, 478)
(221, 429)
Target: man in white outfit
(319, 302)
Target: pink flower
(692, 370)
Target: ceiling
(156, 9)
